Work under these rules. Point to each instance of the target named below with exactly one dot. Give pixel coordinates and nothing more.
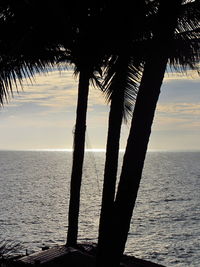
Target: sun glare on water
(69, 150)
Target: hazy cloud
(176, 116)
(43, 114)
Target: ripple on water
(34, 197)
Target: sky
(42, 115)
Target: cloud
(57, 91)
(180, 108)
(189, 75)
(176, 116)
(51, 102)
(48, 108)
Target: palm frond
(121, 82)
(13, 70)
(25, 48)
(189, 17)
(185, 53)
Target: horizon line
(96, 150)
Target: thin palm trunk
(78, 157)
(110, 173)
(122, 91)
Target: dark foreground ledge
(81, 256)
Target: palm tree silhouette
(168, 32)
(122, 91)
(123, 74)
(22, 55)
(88, 63)
(19, 61)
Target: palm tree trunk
(110, 175)
(140, 131)
(78, 157)
(120, 213)
(122, 97)
(135, 153)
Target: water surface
(165, 228)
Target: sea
(165, 228)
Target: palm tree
(88, 59)
(121, 84)
(88, 62)
(122, 90)
(22, 56)
(168, 29)
(20, 61)
(78, 154)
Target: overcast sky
(43, 115)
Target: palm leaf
(186, 51)
(28, 45)
(121, 80)
(15, 68)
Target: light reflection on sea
(34, 196)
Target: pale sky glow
(43, 115)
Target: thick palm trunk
(110, 175)
(78, 157)
(135, 155)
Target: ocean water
(34, 196)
